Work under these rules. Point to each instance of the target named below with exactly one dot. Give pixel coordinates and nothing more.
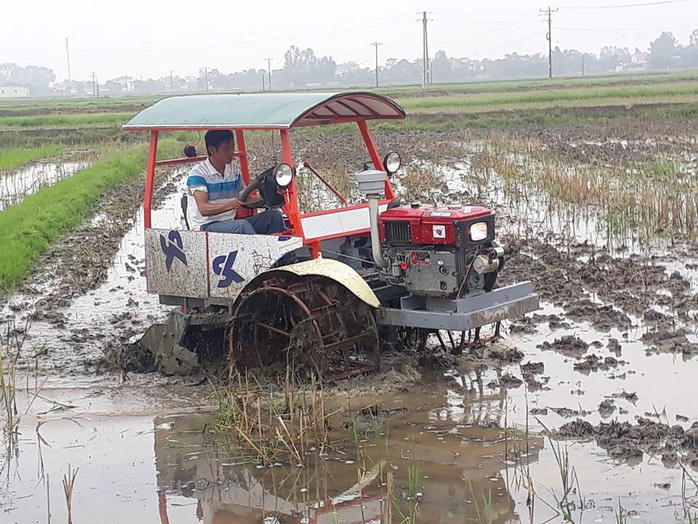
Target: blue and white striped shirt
(205, 177)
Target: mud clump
(510, 381)
(633, 285)
(607, 407)
(568, 412)
(614, 346)
(576, 429)
(567, 345)
(129, 357)
(670, 341)
(595, 363)
(524, 325)
(533, 368)
(630, 397)
(602, 317)
(627, 441)
(529, 371)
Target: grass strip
(11, 158)
(66, 120)
(28, 229)
(499, 86)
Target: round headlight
(283, 174)
(391, 162)
(478, 231)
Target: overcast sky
(147, 38)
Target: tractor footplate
(312, 325)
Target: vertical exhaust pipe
(372, 185)
(376, 250)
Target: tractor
(323, 296)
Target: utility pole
(206, 79)
(95, 85)
(171, 81)
(67, 56)
(549, 36)
(269, 71)
(263, 83)
(582, 64)
(425, 51)
(376, 44)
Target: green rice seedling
(484, 508)
(413, 478)
(569, 481)
(8, 388)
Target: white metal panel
(338, 222)
(235, 259)
(175, 263)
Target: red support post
(150, 179)
(242, 155)
(292, 203)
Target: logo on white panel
(438, 231)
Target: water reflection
(440, 460)
(14, 187)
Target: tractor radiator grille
(398, 232)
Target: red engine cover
(430, 225)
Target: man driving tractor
(213, 189)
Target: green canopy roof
(263, 111)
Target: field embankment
(28, 229)
(12, 158)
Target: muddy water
(141, 457)
(15, 186)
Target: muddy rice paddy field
(584, 412)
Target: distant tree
(441, 68)
(404, 72)
(302, 67)
(36, 78)
(663, 51)
(149, 86)
(689, 54)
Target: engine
(440, 251)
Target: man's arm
(208, 208)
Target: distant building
(14, 92)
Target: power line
(376, 44)
(506, 44)
(621, 29)
(549, 36)
(622, 6)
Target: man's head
(220, 145)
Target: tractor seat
(243, 212)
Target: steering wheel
(268, 188)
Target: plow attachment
(185, 341)
(462, 314)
